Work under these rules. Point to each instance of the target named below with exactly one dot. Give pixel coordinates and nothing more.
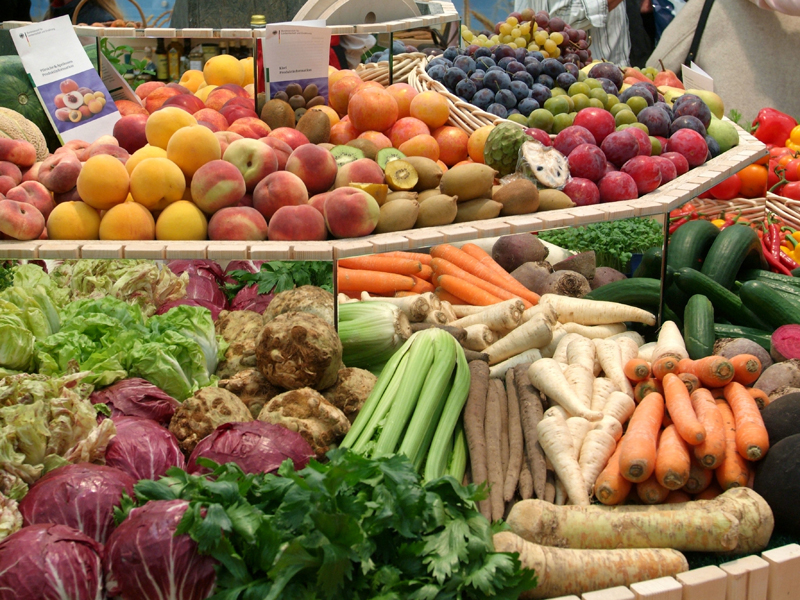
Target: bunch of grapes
(552, 37)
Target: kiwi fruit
(478, 210)
(311, 91)
(386, 155)
(281, 96)
(401, 176)
(392, 196)
(518, 197)
(294, 89)
(346, 154)
(299, 113)
(468, 182)
(315, 101)
(278, 113)
(554, 199)
(261, 100)
(397, 216)
(439, 210)
(429, 194)
(369, 148)
(379, 191)
(316, 126)
(430, 174)
(297, 102)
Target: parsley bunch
(279, 276)
(6, 274)
(353, 528)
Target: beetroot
(785, 343)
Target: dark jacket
(15, 10)
(90, 12)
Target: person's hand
(646, 7)
(612, 4)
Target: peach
(181, 220)
(20, 221)
(253, 159)
(211, 126)
(251, 90)
(343, 132)
(188, 102)
(127, 107)
(453, 142)
(477, 141)
(32, 173)
(246, 200)
(233, 112)
(421, 145)
(67, 86)
(336, 75)
(156, 183)
(19, 152)
(58, 101)
(142, 153)
(112, 150)
(318, 202)
(103, 182)
(225, 138)
(282, 150)
(297, 223)
(209, 115)
(243, 129)
(59, 172)
(350, 212)
(73, 221)
(106, 139)
(405, 129)
(130, 132)
(62, 114)
(177, 86)
(79, 147)
(6, 183)
(333, 116)
(240, 101)
(68, 196)
(403, 94)
(11, 170)
(279, 189)
(34, 193)
(157, 97)
(339, 92)
(148, 86)
(372, 110)
(204, 92)
(218, 97)
(85, 112)
(377, 138)
(316, 167)
(291, 136)
(191, 80)
(362, 170)
(217, 185)
(241, 224)
(192, 147)
(255, 124)
(127, 221)
(162, 125)
(431, 108)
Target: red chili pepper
(678, 223)
(773, 127)
(774, 263)
(788, 262)
(775, 240)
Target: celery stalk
(371, 332)
(430, 428)
(458, 456)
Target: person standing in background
(15, 10)
(605, 21)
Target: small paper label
(694, 78)
(297, 53)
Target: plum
(565, 80)
(553, 68)
(645, 172)
(713, 146)
(504, 62)
(693, 106)
(525, 78)
(688, 122)
(619, 147)
(482, 52)
(582, 191)
(587, 161)
(667, 168)
(465, 63)
(451, 53)
(607, 70)
(506, 98)
(571, 137)
(496, 81)
(515, 67)
(540, 93)
(466, 89)
(608, 86)
(477, 79)
(656, 120)
(498, 110)
(546, 81)
(484, 63)
(483, 98)
(452, 76)
(437, 72)
(527, 106)
(616, 186)
(519, 90)
(690, 144)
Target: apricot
(204, 91)
(377, 138)
(222, 69)
(73, 221)
(128, 221)
(142, 153)
(477, 141)
(191, 80)
(343, 132)
(163, 124)
(192, 147)
(181, 220)
(403, 94)
(339, 92)
(103, 182)
(157, 183)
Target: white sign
(694, 78)
(77, 102)
(116, 84)
(295, 53)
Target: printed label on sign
(297, 53)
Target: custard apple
(544, 165)
(501, 151)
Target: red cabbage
(82, 496)
(204, 267)
(214, 308)
(205, 279)
(256, 446)
(251, 266)
(50, 562)
(143, 449)
(248, 298)
(137, 397)
(145, 559)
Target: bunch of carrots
(465, 276)
(696, 431)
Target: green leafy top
(354, 527)
(279, 276)
(6, 274)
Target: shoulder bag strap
(698, 32)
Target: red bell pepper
(773, 127)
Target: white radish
(581, 379)
(558, 333)
(594, 312)
(581, 351)
(670, 343)
(595, 331)
(560, 354)
(578, 428)
(503, 316)
(620, 406)
(546, 376)
(479, 337)
(556, 441)
(534, 334)
(611, 360)
(597, 448)
(611, 426)
(635, 336)
(601, 390)
(416, 308)
(499, 370)
(646, 351)
(557, 411)
(628, 349)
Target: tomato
(791, 190)
(779, 151)
(792, 169)
(772, 177)
(727, 189)
(754, 181)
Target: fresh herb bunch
(613, 242)
(6, 274)
(279, 276)
(353, 528)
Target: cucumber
(734, 247)
(768, 276)
(635, 291)
(768, 303)
(651, 264)
(725, 302)
(796, 272)
(690, 244)
(759, 336)
(698, 327)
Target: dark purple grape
(515, 67)
(574, 35)
(542, 19)
(483, 98)
(520, 90)
(571, 59)
(524, 77)
(581, 34)
(557, 24)
(583, 55)
(440, 60)
(582, 45)
(466, 89)
(498, 110)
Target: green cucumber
(734, 247)
(796, 272)
(634, 291)
(651, 264)
(690, 244)
(698, 327)
(768, 276)
(759, 336)
(775, 308)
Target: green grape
(557, 37)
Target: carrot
(434, 279)
(443, 267)
(637, 369)
(483, 257)
(711, 492)
(651, 492)
(422, 257)
(421, 286)
(717, 393)
(645, 387)
(673, 460)
(360, 280)
(446, 296)
(690, 381)
(426, 273)
(679, 405)
(712, 371)
(472, 265)
(746, 369)
(752, 440)
(761, 398)
(677, 497)
(711, 451)
(733, 472)
(470, 293)
(699, 478)
(386, 264)
(637, 458)
(664, 365)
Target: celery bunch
(371, 332)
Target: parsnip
(479, 337)
(448, 311)
(560, 353)
(581, 380)
(499, 370)
(628, 349)
(534, 334)
(611, 426)
(636, 337)
(611, 360)
(594, 312)
(433, 300)
(503, 316)
(620, 406)
(578, 429)
(601, 390)
(546, 376)
(595, 331)
(581, 351)
(558, 333)
(646, 351)
(556, 441)
(596, 449)
(670, 343)
(416, 308)
(344, 299)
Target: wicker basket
(753, 209)
(404, 65)
(786, 208)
